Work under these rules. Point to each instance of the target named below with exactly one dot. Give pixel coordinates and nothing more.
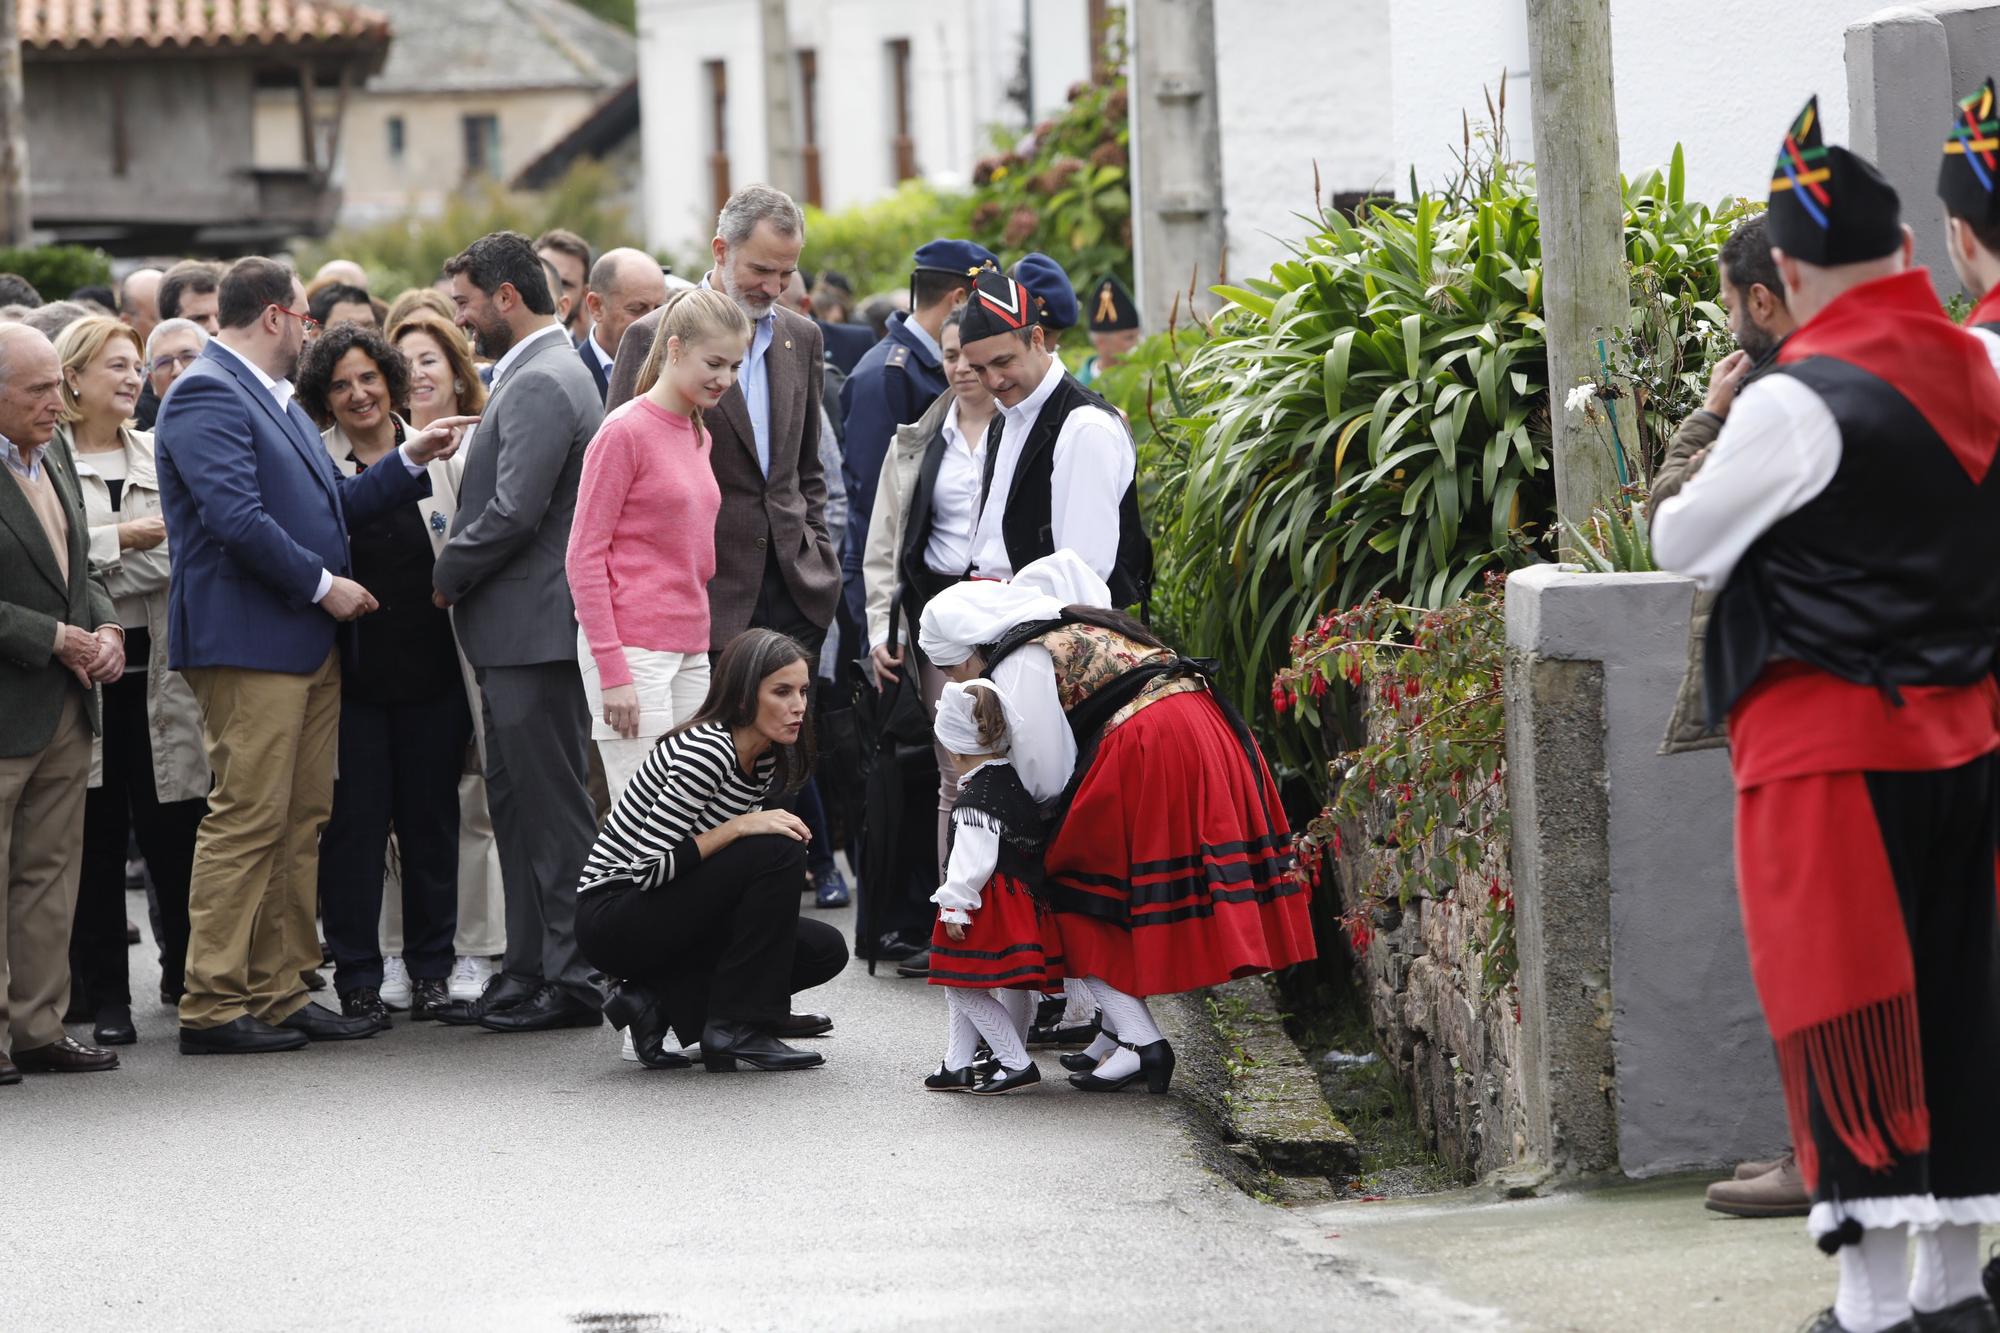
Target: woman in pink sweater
(642, 548)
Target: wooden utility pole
(15, 222)
(1585, 292)
(781, 145)
(1177, 222)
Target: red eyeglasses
(312, 325)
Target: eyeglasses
(182, 360)
(312, 325)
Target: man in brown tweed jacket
(775, 566)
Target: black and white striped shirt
(689, 784)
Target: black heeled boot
(637, 1010)
(724, 1044)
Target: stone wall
(1455, 1046)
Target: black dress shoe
(639, 1012)
(952, 1080)
(365, 1002)
(900, 945)
(793, 1026)
(239, 1036)
(723, 1045)
(1974, 1314)
(322, 1024)
(503, 991)
(114, 1026)
(68, 1056)
(1004, 1080)
(8, 1073)
(916, 965)
(549, 1008)
(1076, 1062)
(428, 999)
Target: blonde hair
(692, 314)
(80, 344)
(470, 392)
(428, 299)
(990, 716)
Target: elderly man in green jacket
(59, 640)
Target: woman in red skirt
(1170, 867)
(992, 931)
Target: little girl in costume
(991, 931)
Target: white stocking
(994, 1023)
(1126, 1015)
(1080, 1005)
(1874, 1289)
(961, 1038)
(1947, 1267)
(1020, 1006)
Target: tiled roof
(491, 46)
(113, 26)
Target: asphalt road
(438, 1178)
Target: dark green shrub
(57, 270)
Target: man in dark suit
(59, 638)
(259, 589)
(502, 573)
(775, 565)
(625, 285)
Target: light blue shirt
(924, 340)
(756, 381)
(26, 465)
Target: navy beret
(1055, 299)
(953, 256)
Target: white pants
(671, 687)
(482, 910)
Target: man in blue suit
(259, 588)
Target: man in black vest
(1059, 463)
(1849, 513)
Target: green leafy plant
(1614, 541)
(1427, 779)
(57, 270)
(871, 243)
(409, 251)
(1064, 187)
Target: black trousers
(722, 943)
(127, 806)
(399, 769)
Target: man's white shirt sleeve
(1779, 448)
(1094, 463)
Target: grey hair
(173, 326)
(754, 204)
(51, 319)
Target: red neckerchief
(1894, 329)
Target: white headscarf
(957, 729)
(966, 615)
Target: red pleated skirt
(1174, 868)
(1012, 944)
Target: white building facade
(881, 91)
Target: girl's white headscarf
(957, 729)
(966, 615)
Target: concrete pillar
(1899, 81)
(1643, 1046)
(1177, 223)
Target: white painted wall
(963, 55)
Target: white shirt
(1094, 464)
(1778, 449)
(955, 499)
(1040, 744)
(514, 353)
(604, 358)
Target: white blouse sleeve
(1094, 463)
(1042, 748)
(975, 855)
(1779, 448)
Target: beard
(492, 339)
(755, 304)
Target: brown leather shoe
(68, 1056)
(8, 1073)
(1777, 1193)
(1752, 1170)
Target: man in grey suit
(775, 565)
(502, 574)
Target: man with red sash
(1849, 514)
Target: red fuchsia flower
(1407, 792)
(1390, 693)
(1354, 672)
(1413, 687)
(1493, 889)
(1319, 685)
(1336, 843)
(1359, 936)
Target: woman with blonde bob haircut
(149, 772)
(642, 548)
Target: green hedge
(871, 244)
(57, 270)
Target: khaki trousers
(41, 857)
(271, 739)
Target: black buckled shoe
(725, 1045)
(365, 1002)
(428, 999)
(503, 991)
(951, 1080)
(1004, 1080)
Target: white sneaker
(469, 976)
(629, 1051)
(395, 984)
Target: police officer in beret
(895, 383)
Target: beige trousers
(41, 857)
(482, 911)
(271, 739)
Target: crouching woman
(691, 893)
